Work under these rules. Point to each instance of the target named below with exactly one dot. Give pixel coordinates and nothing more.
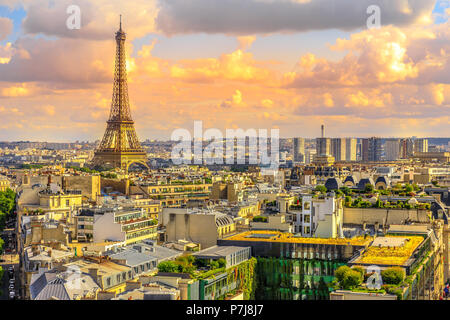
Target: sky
(290, 65)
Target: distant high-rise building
(392, 149)
(309, 156)
(371, 149)
(350, 149)
(323, 146)
(420, 145)
(406, 148)
(338, 149)
(299, 150)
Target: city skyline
(55, 83)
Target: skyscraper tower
(299, 149)
(323, 145)
(120, 146)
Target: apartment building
(196, 225)
(173, 194)
(130, 225)
(319, 217)
(4, 183)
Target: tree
(340, 273)
(346, 191)
(349, 278)
(352, 279)
(214, 264)
(409, 188)
(168, 266)
(378, 204)
(348, 201)
(360, 270)
(394, 275)
(368, 188)
(222, 263)
(321, 188)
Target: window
(307, 218)
(67, 203)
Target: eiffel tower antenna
(120, 146)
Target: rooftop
(390, 250)
(218, 251)
(104, 268)
(276, 236)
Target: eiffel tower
(120, 146)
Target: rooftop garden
(31, 166)
(398, 189)
(390, 255)
(297, 205)
(276, 236)
(360, 203)
(356, 279)
(202, 269)
(197, 268)
(188, 182)
(259, 219)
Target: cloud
(99, 19)
(59, 61)
(15, 91)
(248, 17)
(236, 100)
(374, 57)
(236, 66)
(59, 87)
(6, 27)
(245, 42)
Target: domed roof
(352, 179)
(383, 179)
(223, 220)
(333, 183)
(362, 183)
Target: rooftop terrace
(390, 250)
(276, 236)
